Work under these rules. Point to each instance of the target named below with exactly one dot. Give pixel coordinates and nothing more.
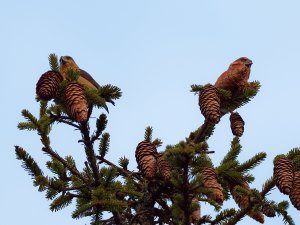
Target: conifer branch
(268, 186)
(53, 61)
(202, 132)
(28, 163)
(252, 163)
(63, 119)
(125, 173)
(100, 125)
(72, 169)
(89, 150)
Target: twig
(122, 171)
(63, 119)
(75, 188)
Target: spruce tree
(171, 184)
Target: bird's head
(67, 61)
(241, 62)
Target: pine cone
(243, 202)
(295, 192)
(210, 181)
(283, 174)
(237, 124)
(163, 166)
(268, 210)
(145, 156)
(196, 214)
(76, 102)
(47, 86)
(209, 102)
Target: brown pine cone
(243, 201)
(209, 102)
(163, 166)
(210, 180)
(196, 214)
(237, 124)
(47, 86)
(145, 156)
(283, 173)
(295, 192)
(76, 102)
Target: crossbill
(236, 76)
(67, 63)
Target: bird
(67, 63)
(236, 76)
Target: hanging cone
(47, 86)
(163, 166)
(196, 214)
(76, 102)
(295, 192)
(268, 210)
(145, 156)
(209, 102)
(283, 173)
(237, 124)
(243, 201)
(210, 181)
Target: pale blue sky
(153, 50)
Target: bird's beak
(249, 63)
(62, 60)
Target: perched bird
(67, 63)
(236, 76)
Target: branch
(75, 188)
(89, 150)
(241, 213)
(270, 183)
(62, 119)
(72, 169)
(122, 171)
(201, 132)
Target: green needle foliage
(109, 193)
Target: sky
(153, 50)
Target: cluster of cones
(287, 179)
(210, 106)
(150, 161)
(48, 87)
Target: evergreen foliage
(110, 193)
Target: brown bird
(67, 63)
(236, 76)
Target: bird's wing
(88, 77)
